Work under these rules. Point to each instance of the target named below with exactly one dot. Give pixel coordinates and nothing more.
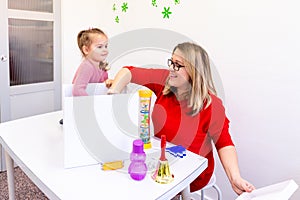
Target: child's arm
(81, 80)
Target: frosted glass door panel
(30, 51)
(31, 5)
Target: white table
(35, 144)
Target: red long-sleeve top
(170, 117)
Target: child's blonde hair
(84, 38)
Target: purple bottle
(137, 168)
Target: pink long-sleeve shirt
(85, 74)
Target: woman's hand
(108, 82)
(121, 79)
(240, 185)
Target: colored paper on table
(177, 151)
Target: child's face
(98, 50)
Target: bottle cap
(147, 145)
(145, 93)
(138, 146)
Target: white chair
(211, 184)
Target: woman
(188, 111)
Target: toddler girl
(93, 69)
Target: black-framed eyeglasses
(175, 65)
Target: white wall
(255, 47)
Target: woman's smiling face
(179, 79)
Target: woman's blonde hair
(197, 65)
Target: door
(30, 72)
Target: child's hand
(108, 82)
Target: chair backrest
(91, 89)
(99, 89)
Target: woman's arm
(121, 79)
(229, 161)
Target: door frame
(4, 66)
(5, 89)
